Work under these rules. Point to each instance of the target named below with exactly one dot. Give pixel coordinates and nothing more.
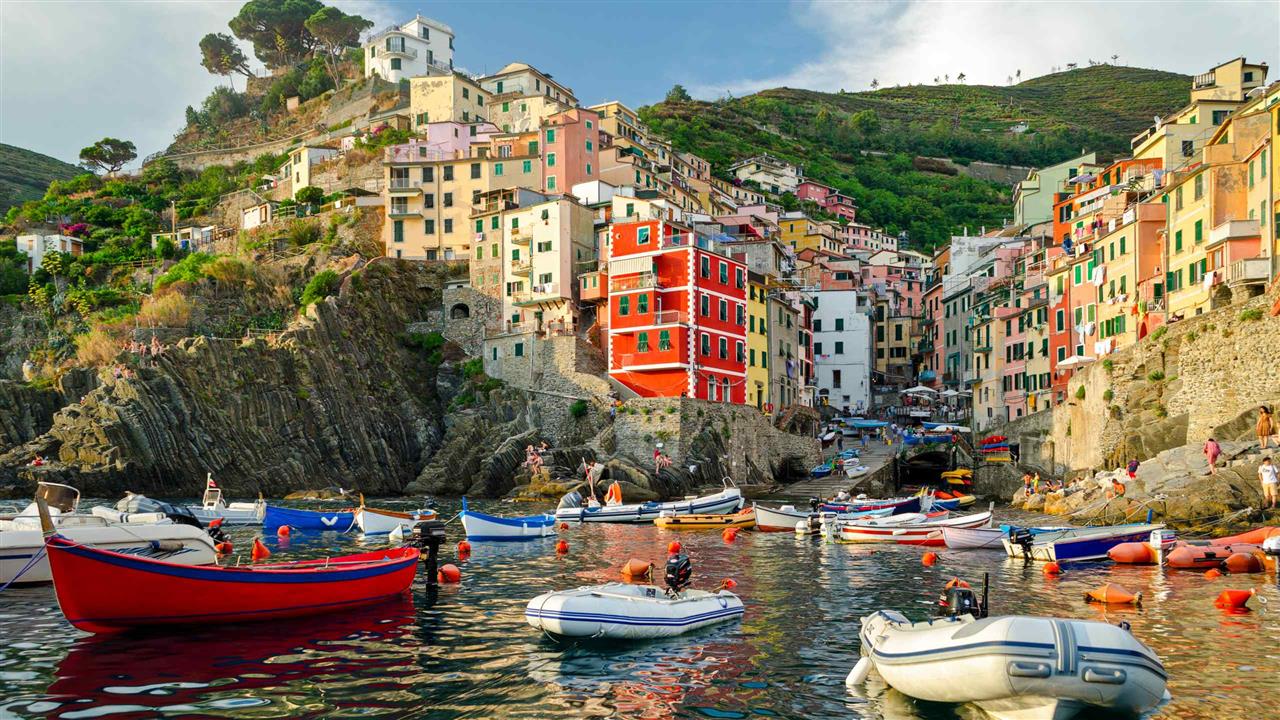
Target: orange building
(677, 314)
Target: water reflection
(471, 654)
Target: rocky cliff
(338, 398)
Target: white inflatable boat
(629, 612)
(1013, 667)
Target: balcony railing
(1204, 80)
(647, 358)
(401, 51)
(521, 236)
(671, 317)
(1251, 270)
(545, 292)
(1233, 229)
(643, 281)
(521, 267)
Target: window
(428, 173)
(1177, 198)
(704, 266)
(397, 231)
(740, 314)
(466, 93)
(448, 225)
(1199, 231)
(519, 349)
(742, 352)
(724, 348)
(753, 357)
(624, 305)
(642, 304)
(448, 172)
(506, 106)
(472, 132)
(1188, 148)
(551, 159)
(544, 246)
(588, 168)
(533, 147)
(706, 344)
(840, 327)
(1177, 241)
(475, 169)
(551, 182)
(1198, 186)
(480, 229)
(642, 236)
(664, 339)
(395, 63)
(448, 199)
(1122, 245)
(724, 310)
(817, 348)
(497, 169)
(642, 342)
(739, 278)
(724, 273)
(835, 378)
(551, 135)
(631, 209)
(705, 305)
(1219, 116)
(430, 228)
(589, 146)
(817, 325)
(515, 223)
(589, 125)
(839, 348)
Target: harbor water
(467, 652)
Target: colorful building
(677, 314)
(757, 341)
(445, 98)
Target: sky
(74, 71)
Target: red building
(828, 198)
(677, 314)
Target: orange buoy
(260, 551)
(562, 548)
(223, 548)
(282, 531)
(564, 526)
(955, 582)
(1242, 562)
(464, 548)
(1052, 569)
(1132, 553)
(729, 534)
(929, 558)
(635, 569)
(1113, 594)
(728, 583)
(674, 547)
(1235, 599)
(1212, 574)
(216, 522)
(449, 573)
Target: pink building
(828, 198)
(571, 152)
(442, 141)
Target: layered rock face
(336, 399)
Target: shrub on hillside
(1155, 375)
(170, 310)
(310, 194)
(97, 347)
(578, 409)
(321, 286)
(1251, 315)
(186, 270)
(303, 232)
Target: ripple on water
(473, 655)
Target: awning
(1076, 361)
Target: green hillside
(24, 175)
(864, 143)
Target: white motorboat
(152, 535)
(1013, 667)
(382, 522)
(482, 526)
(629, 612)
(572, 508)
(958, 538)
(212, 507)
(1074, 544)
(785, 518)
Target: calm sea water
(469, 654)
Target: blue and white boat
(335, 520)
(1074, 544)
(572, 508)
(821, 471)
(482, 527)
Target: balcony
(396, 212)
(1234, 230)
(537, 295)
(1036, 302)
(1250, 271)
(403, 186)
(1204, 80)
(521, 267)
(642, 281)
(401, 51)
(492, 206)
(660, 356)
(521, 236)
(591, 289)
(671, 317)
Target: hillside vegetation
(864, 143)
(24, 175)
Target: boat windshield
(212, 497)
(55, 495)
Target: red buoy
(216, 522)
(1242, 562)
(929, 558)
(1235, 599)
(282, 531)
(1212, 574)
(223, 548)
(729, 534)
(464, 549)
(260, 551)
(1113, 594)
(637, 570)
(729, 583)
(955, 582)
(562, 548)
(674, 547)
(449, 573)
(1052, 569)
(564, 526)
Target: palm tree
(946, 78)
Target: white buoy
(858, 674)
(802, 528)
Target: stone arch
(459, 311)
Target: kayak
(741, 519)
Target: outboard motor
(959, 599)
(814, 502)
(572, 499)
(679, 572)
(1023, 538)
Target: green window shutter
(624, 305)
(1177, 241)
(1199, 231)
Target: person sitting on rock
(1117, 488)
(37, 461)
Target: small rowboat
(928, 533)
(629, 612)
(741, 519)
(337, 520)
(382, 522)
(483, 527)
(896, 505)
(1028, 668)
(103, 591)
(820, 471)
(784, 519)
(572, 509)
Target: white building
(421, 46)
(773, 175)
(37, 246)
(842, 348)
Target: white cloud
(908, 43)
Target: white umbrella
(949, 393)
(1076, 361)
(918, 389)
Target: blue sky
(134, 66)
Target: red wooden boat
(103, 591)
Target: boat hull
(629, 612)
(492, 528)
(383, 522)
(927, 534)
(900, 506)
(1080, 545)
(18, 547)
(234, 514)
(729, 500)
(1017, 666)
(147, 592)
(744, 519)
(337, 521)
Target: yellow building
(545, 245)
(448, 98)
(1187, 206)
(1272, 103)
(757, 341)
(621, 121)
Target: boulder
(1034, 503)
(325, 494)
